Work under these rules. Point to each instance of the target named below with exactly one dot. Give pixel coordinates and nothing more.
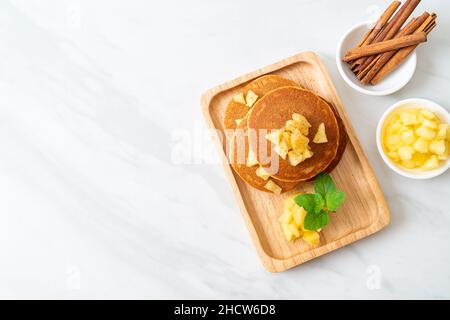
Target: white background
(92, 204)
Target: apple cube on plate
(311, 237)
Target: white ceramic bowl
(441, 112)
(392, 83)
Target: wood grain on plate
(364, 211)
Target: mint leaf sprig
(318, 205)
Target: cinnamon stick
(370, 35)
(381, 22)
(400, 56)
(392, 27)
(385, 46)
(385, 57)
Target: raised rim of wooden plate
(272, 264)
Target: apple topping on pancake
(244, 163)
(263, 174)
(321, 135)
(272, 186)
(239, 98)
(251, 98)
(291, 141)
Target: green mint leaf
(310, 202)
(316, 220)
(334, 199)
(324, 184)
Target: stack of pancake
(267, 105)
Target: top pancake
(260, 87)
(272, 111)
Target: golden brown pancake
(260, 87)
(273, 110)
(238, 161)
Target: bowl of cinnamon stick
(379, 58)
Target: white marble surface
(91, 203)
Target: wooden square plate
(364, 211)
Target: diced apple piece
(409, 118)
(295, 157)
(291, 126)
(307, 154)
(311, 237)
(446, 154)
(239, 98)
(321, 135)
(421, 145)
(281, 152)
(293, 228)
(444, 131)
(405, 153)
(286, 138)
(289, 203)
(437, 147)
(301, 123)
(430, 124)
(272, 186)
(274, 136)
(419, 159)
(397, 128)
(251, 98)
(298, 214)
(431, 163)
(282, 149)
(395, 147)
(299, 142)
(427, 114)
(421, 119)
(408, 137)
(425, 132)
(410, 164)
(263, 174)
(287, 232)
(286, 217)
(393, 155)
(393, 140)
(251, 159)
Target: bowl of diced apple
(413, 138)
